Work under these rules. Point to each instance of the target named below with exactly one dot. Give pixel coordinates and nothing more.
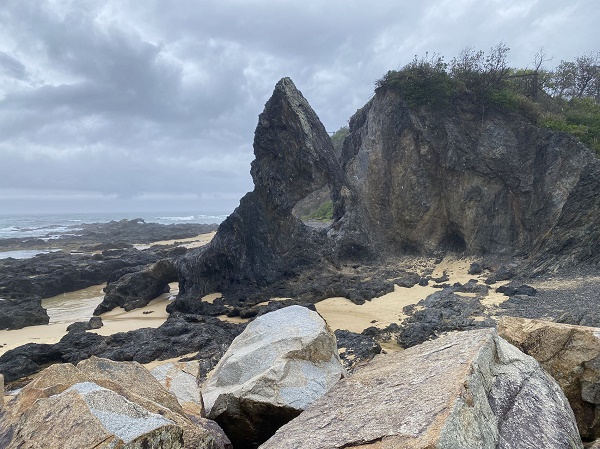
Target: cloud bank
(122, 104)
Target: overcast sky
(133, 105)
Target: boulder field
(463, 390)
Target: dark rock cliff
(410, 181)
(262, 242)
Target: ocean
(55, 225)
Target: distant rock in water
(410, 181)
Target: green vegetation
(323, 212)
(566, 99)
(338, 139)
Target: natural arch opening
(316, 209)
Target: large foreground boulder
(89, 416)
(277, 367)
(100, 400)
(465, 390)
(571, 354)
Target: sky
(151, 105)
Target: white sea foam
(188, 218)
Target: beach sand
(341, 313)
(191, 242)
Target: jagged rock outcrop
(135, 290)
(440, 312)
(571, 354)
(465, 390)
(280, 364)
(262, 242)
(100, 403)
(51, 274)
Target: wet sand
(78, 306)
(341, 313)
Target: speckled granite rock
(465, 390)
(180, 379)
(280, 364)
(89, 416)
(127, 380)
(571, 354)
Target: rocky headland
(413, 188)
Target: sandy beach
(191, 242)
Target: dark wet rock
(27, 359)
(95, 322)
(82, 326)
(475, 268)
(22, 312)
(503, 273)
(135, 290)
(79, 326)
(440, 312)
(408, 280)
(355, 348)
(105, 246)
(473, 286)
(181, 334)
(441, 279)
(51, 274)
(512, 290)
(271, 306)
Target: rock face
(262, 242)
(135, 290)
(281, 363)
(465, 390)
(100, 404)
(497, 184)
(571, 354)
(180, 379)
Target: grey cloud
(12, 67)
(123, 97)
